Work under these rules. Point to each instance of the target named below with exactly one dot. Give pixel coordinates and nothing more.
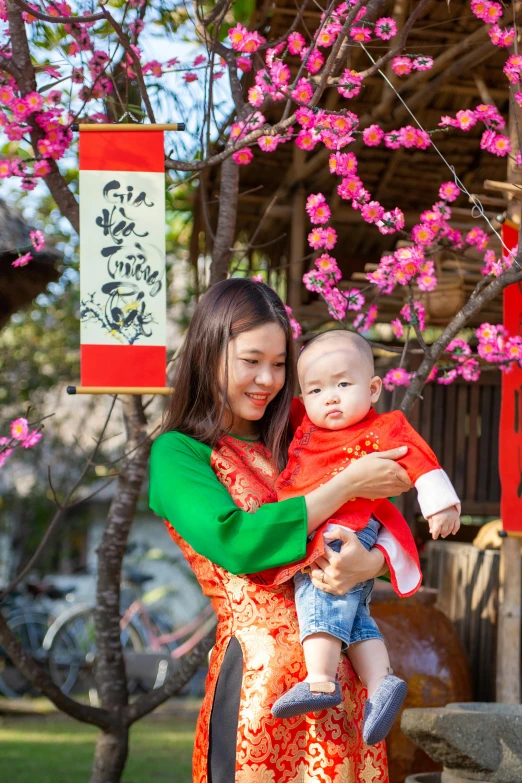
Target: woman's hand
(338, 572)
(377, 475)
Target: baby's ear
(375, 389)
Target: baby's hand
(444, 522)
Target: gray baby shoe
(381, 710)
(307, 697)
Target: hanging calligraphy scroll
(122, 258)
(510, 437)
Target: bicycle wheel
(71, 645)
(29, 628)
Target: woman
(212, 479)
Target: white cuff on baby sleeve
(436, 493)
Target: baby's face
(337, 384)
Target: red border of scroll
(122, 259)
(510, 439)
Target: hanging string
(477, 210)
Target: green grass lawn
(59, 750)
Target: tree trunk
(110, 755)
(226, 227)
(112, 746)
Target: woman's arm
(373, 476)
(185, 491)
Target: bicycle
(29, 614)
(71, 648)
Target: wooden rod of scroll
(119, 390)
(126, 126)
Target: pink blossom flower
(315, 238)
(349, 187)
(397, 328)
(427, 282)
(37, 240)
(19, 429)
(391, 222)
(316, 281)
(327, 265)
(294, 325)
(327, 36)
(32, 439)
(296, 43)
(255, 96)
(243, 157)
(497, 144)
(302, 92)
(373, 136)
(22, 260)
(306, 117)
(385, 28)
(465, 119)
(268, 143)
(372, 212)
(190, 77)
(418, 316)
(448, 376)
(306, 139)
(335, 302)
(408, 136)
(244, 63)
(342, 163)
(362, 322)
(500, 37)
(4, 455)
(476, 236)
(422, 234)
(350, 84)
(317, 209)
(397, 377)
(402, 66)
(361, 34)
(392, 140)
(244, 41)
(314, 62)
(432, 375)
(34, 101)
(422, 63)
(459, 350)
(5, 168)
(355, 300)
(257, 278)
(470, 370)
(7, 95)
(449, 191)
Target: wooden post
(297, 248)
(508, 622)
(510, 577)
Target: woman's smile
(258, 398)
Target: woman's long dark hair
(199, 402)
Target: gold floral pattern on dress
(325, 747)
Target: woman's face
(256, 373)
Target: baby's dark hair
(360, 342)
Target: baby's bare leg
(371, 662)
(322, 653)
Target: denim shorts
(345, 616)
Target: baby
(339, 387)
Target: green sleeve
(186, 492)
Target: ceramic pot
(424, 651)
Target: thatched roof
(467, 71)
(19, 286)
